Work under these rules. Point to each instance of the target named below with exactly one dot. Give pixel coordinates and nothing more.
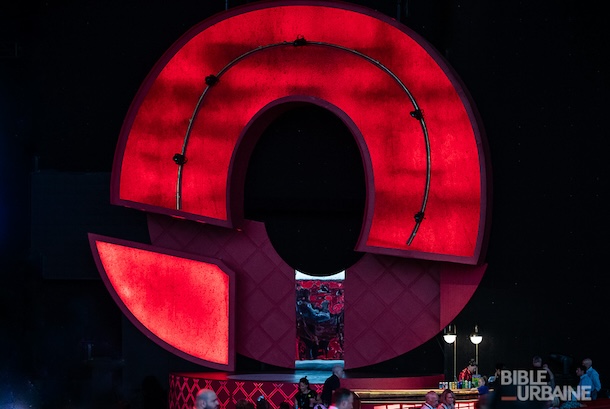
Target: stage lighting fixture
(476, 339)
(450, 337)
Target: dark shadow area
(305, 180)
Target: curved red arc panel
(181, 302)
(219, 127)
(301, 42)
(212, 80)
(454, 147)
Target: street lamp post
(476, 339)
(450, 337)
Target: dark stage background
(537, 71)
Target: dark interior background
(537, 71)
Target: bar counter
(408, 398)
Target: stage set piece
(210, 284)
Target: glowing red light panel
(184, 148)
(176, 109)
(184, 304)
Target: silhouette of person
(331, 384)
(494, 380)
(305, 397)
(431, 400)
(483, 389)
(206, 399)
(537, 364)
(244, 404)
(466, 373)
(261, 403)
(342, 399)
(153, 394)
(447, 400)
(594, 375)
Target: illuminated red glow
(182, 302)
(165, 294)
(392, 143)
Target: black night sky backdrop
(537, 71)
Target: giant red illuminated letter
(183, 149)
